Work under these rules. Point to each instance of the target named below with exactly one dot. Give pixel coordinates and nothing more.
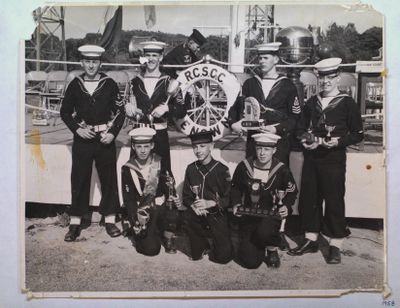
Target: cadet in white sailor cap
(260, 235)
(332, 121)
(277, 98)
(145, 190)
(94, 99)
(149, 96)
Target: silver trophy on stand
(252, 112)
(170, 183)
(255, 209)
(329, 129)
(280, 195)
(196, 190)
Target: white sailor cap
(268, 48)
(328, 66)
(153, 46)
(142, 134)
(266, 139)
(91, 51)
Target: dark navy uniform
(96, 109)
(324, 170)
(283, 99)
(256, 233)
(180, 55)
(214, 180)
(147, 105)
(148, 242)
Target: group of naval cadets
(211, 198)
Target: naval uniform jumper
(324, 169)
(214, 180)
(283, 98)
(180, 55)
(256, 233)
(96, 109)
(137, 185)
(147, 104)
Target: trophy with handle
(196, 190)
(280, 195)
(170, 183)
(329, 129)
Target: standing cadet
(206, 195)
(256, 182)
(334, 122)
(148, 103)
(147, 189)
(185, 53)
(94, 98)
(277, 99)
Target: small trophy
(196, 190)
(143, 217)
(329, 129)
(170, 182)
(280, 194)
(251, 120)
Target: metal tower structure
(48, 40)
(261, 27)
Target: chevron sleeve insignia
(296, 109)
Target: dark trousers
(216, 226)
(161, 147)
(149, 242)
(83, 154)
(255, 234)
(282, 149)
(323, 179)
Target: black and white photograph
(201, 150)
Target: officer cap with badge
(142, 134)
(266, 139)
(197, 37)
(153, 46)
(328, 66)
(91, 52)
(268, 48)
(201, 137)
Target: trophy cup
(251, 120)
(170, 182)
(280, 194)
(196, 190)
(329, 129)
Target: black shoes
(334, 255)
(205, 252)
(272, 259)
(307, 246)
(73, 232)
(112, 230)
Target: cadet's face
(202, 150)
(154, 60)
(267, 62)
(193, 46)
(91, 67)
(143, 150)
(328, 83)
(264, 154)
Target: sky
(182, 19)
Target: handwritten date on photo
(388, 303)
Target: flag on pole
(150, 15)
(112, 30)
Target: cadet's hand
(85, 133)
(159, 111)
(178, 203)
(237, 127)
(283, 211)
(235, 208)
(107, 138)
(311, 146)
(330, 144)
(268, 128)
(199, 212)
(132, 111)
